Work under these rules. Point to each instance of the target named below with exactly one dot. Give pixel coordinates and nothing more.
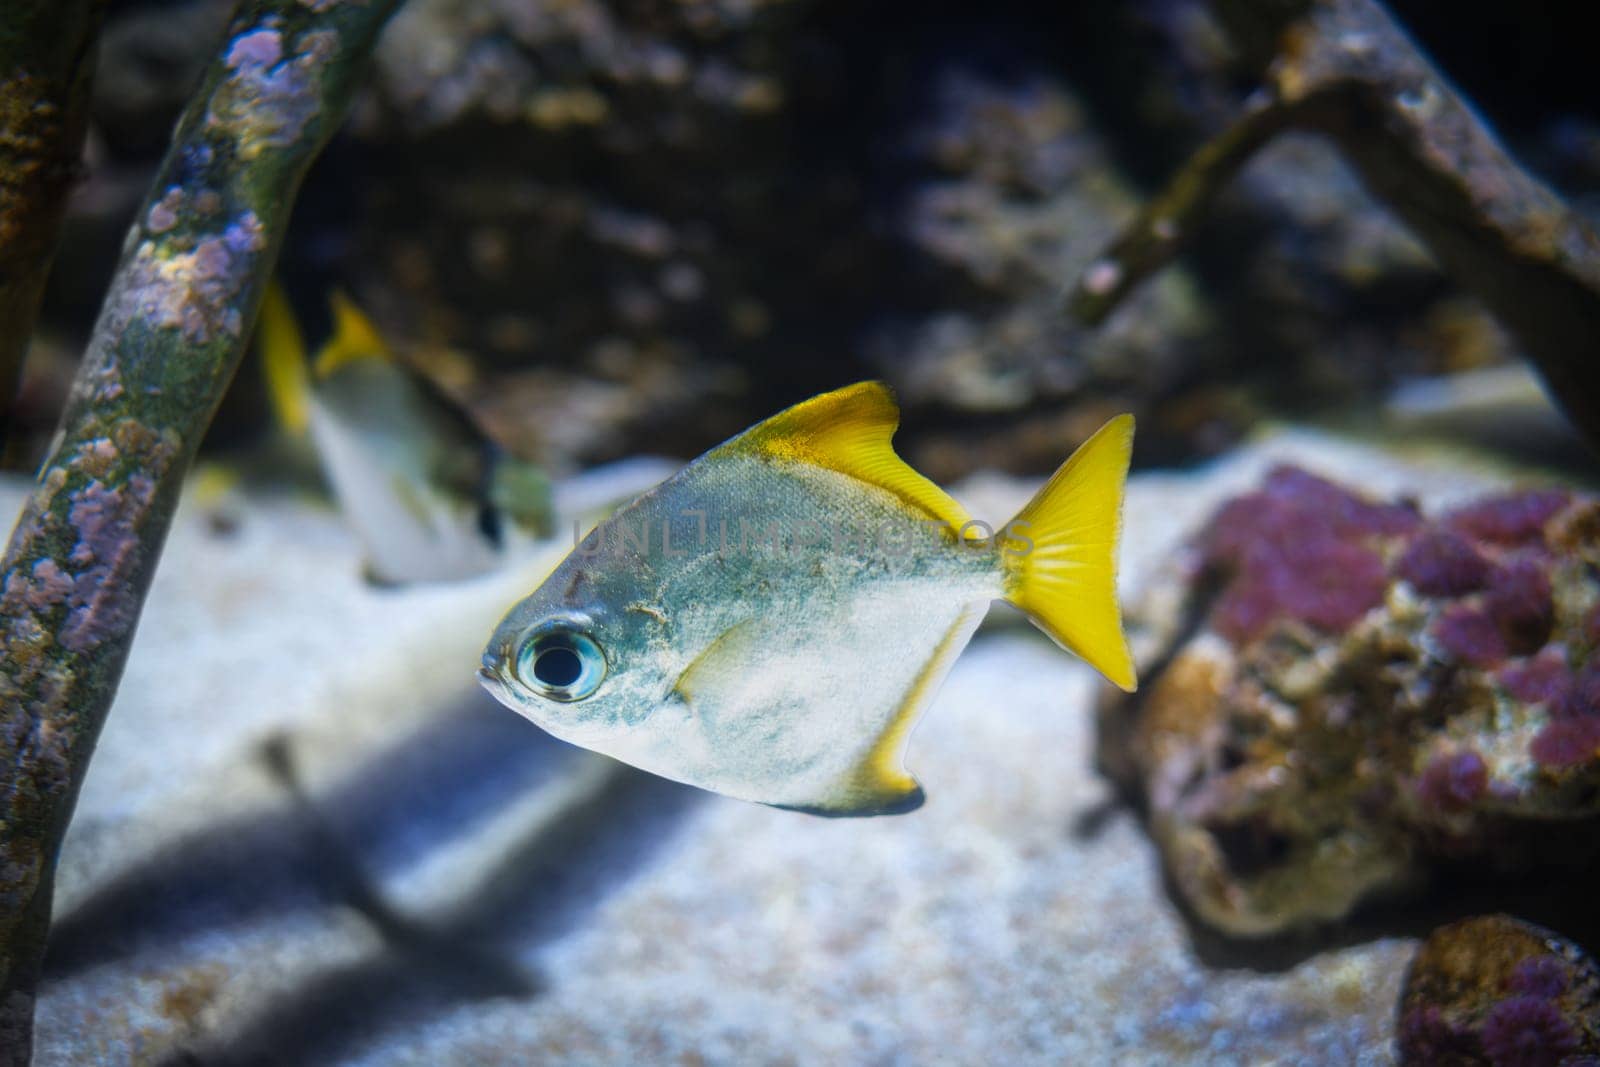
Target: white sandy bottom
(458, 888)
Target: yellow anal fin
(1062, 563)
(283, 360)
(849, 431)
(881, 785)
(354, 338)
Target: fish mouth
(490, 678)
(507, 692)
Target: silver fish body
(759, 688)
(769, 622)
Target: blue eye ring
(560, 663)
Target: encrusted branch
(46, 59)
(168, 339)
(1158, 233)
(1342, 68)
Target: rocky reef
(636, 213)
(1349, 692)
(1500, 991)
(613, 228)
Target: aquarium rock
(610, 228)
(1497, 990)
(1349, 688)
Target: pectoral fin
(716, 676)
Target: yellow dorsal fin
(283, 359)
(1063, 570)
(354, 337)
(849, 431)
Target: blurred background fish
(429, 494)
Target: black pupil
(557, 667)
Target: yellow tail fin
(1067, 580)
(283, 360)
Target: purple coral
(1245, 611)
(1520, 602)
(1543, 678)
(1294, 550)
(1322, 582)
(1442, 563)
(1566, 743)
(1453, 780)
(1540, 976)
(1470, 636)
(1333, 584)
(1296, 505)
(1509, 518)
(1427, 1036)
(1233, 530)
(1581, 697)
(1344, 512)
(1546, 679)
(1527, 1031)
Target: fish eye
(561, 664)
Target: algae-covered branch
(47, 52)
(168, 338)
(1344, 69)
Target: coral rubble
(615, 228)
(1356, 691)
(1497, 990)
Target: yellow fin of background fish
(212, 483)
(1067, 583)
(848, 430)
(283, 360)
(354, 337)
